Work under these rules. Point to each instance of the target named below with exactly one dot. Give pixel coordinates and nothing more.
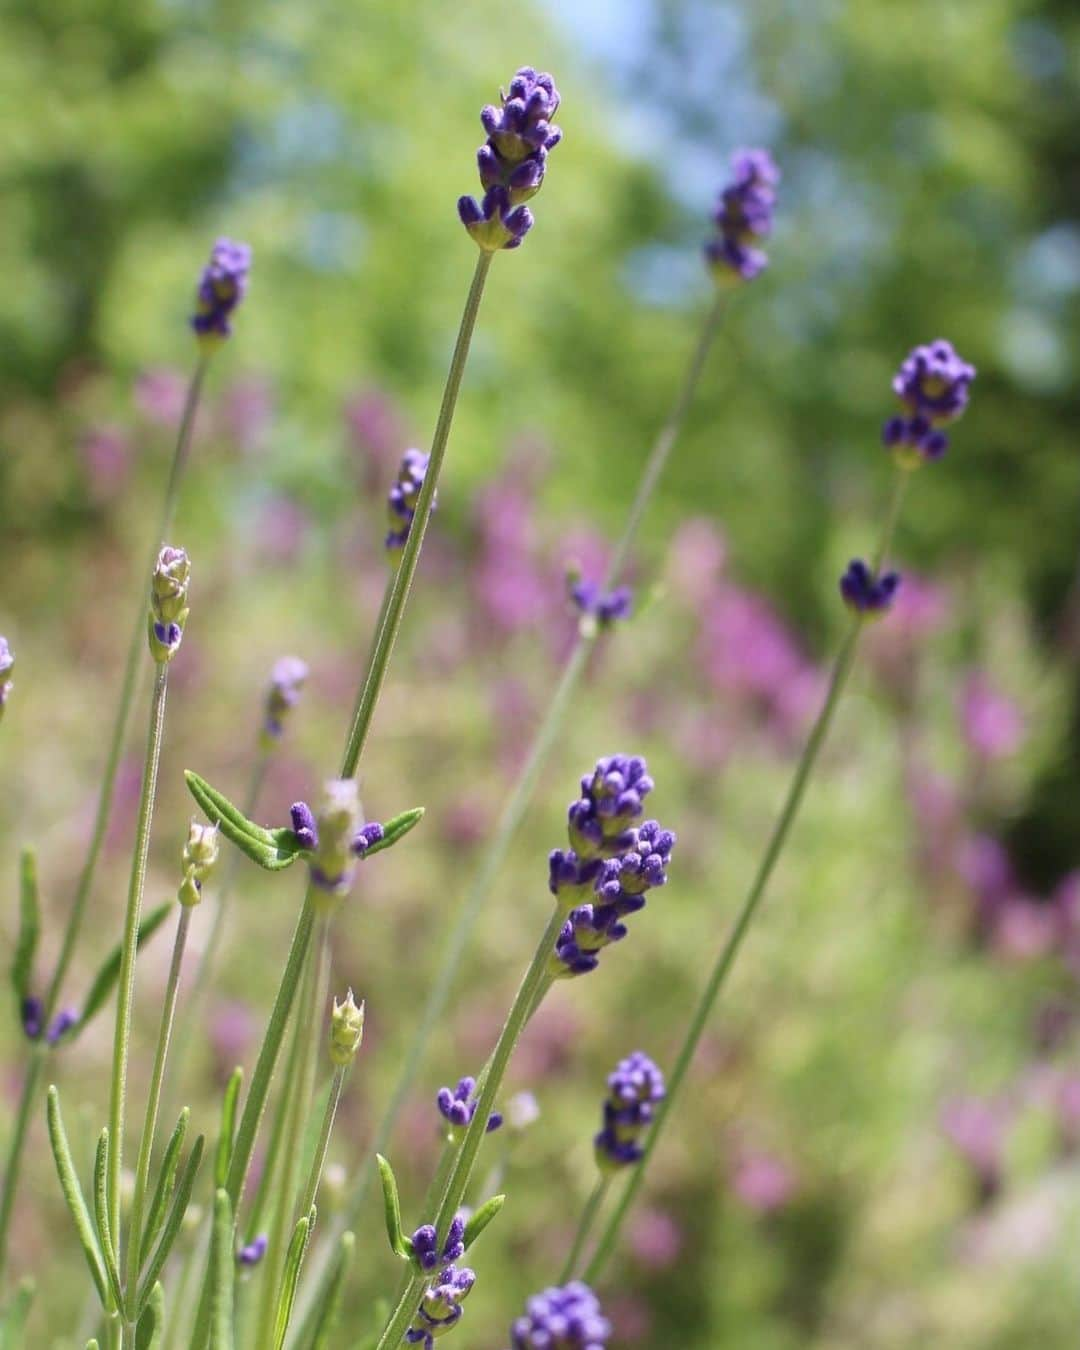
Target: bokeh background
(880, 1147)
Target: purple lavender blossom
(404, 496)
(61, 1024)
(513, 160)
(367, 835)
(743, 216)
(569, 1318)
(603, 606)
(635, 1088)
(440, 1307)
(286, 682)
(223, 286)
(304, 826)
(253, 1252)
(425, 1245)
(459, 1106)
(7, 665)
(611, 800)
(865, 593)
(933, 383)
(32, 1016)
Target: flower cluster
(198, 860)
(634, 1090)
(440, 1306)
(569, 1318)
(222, 287)
(168, 603)
(459, 1106)
(425, 1245)
(866, 593)
(512, 161)
(602, 878)
(401, 503)
(743, 216)
(604, 607)
(286, 681)
(933, 384)
(7, 665)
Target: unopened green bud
(168, 603)
(199, 858)
(346, 1030)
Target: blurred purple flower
(160, 395)
(221, 288)
(281, 530)
(569, 1318)
(696, 560)
(865, 592)
(635, 1089)
(976, 1129)
(403, 497)
(762, 1182)
(993, 723)
(744, 216)
(933, 383)
(106, 457)
(247, 410)
(655, 1239)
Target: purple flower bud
(610, 802)
(32, 1013)
(569, 1318)
(367, 835)
(223, 286)
(743, 216)
(403, 497)
(286, 681)
(459, 1106)
(303, 824)
(425, 1245)
(168, 603)
(440, 1307)
(634, 1090)
(865, 593)
(253, 1252)
(604, 607)
(7, 665)
(934, 381)
(61, 1024)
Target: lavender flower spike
(634, 1090)
(333, 863)
(222, 287)
(459, 1107)
(7, 665)
(866, 594)
(287, 679)
(168, 603)
(404, 495)
(602, 607)
(611, 800)
(743, 216)
(424, 1243)
(513, 160)
(933, 384)
(569, 1318)
(440, 1307)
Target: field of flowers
(596, 767)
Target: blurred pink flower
(232, 1028)
(1025, 928)
(106, 457)
(1068, 1112)
(281, 530)
(695, 560)
(630, 1316)
(976, 1129)
(464, 822)
(762, 1182)
(656, 1240)
(160, 394)
(247, 409)
(376, 429)
(993, 724)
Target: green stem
(410, 554)
(318, 1162)
(465, 1158)
(730, 950)
(153, 1102)
(588, 1215)
(125, 989)
(491, 863)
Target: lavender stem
(730, 950)
(585, 1223)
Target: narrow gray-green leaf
(150, 1332)
(222, 1262)
(76, 1202)
(101, 1213)
(330, 1310)
(109, 971)
(395, 829)
(271, 849)
(392, 1208)
(294, 1259)
(171, 1229)
(228, 1126)
(22, 964)
(170, 1163)
(481, 1218)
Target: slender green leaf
(294, 1259)
(170, 1163)
(22, 964)
(222, 1262)
(481, 1218)
(150, 1332)
(396, 828)
(101, 1213)
(273, 850)
(330, 1309)
(109, 971)
(13, 1318)
(170, 1231)
(399, 1244)
(228, 1126)
(76, 1202)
